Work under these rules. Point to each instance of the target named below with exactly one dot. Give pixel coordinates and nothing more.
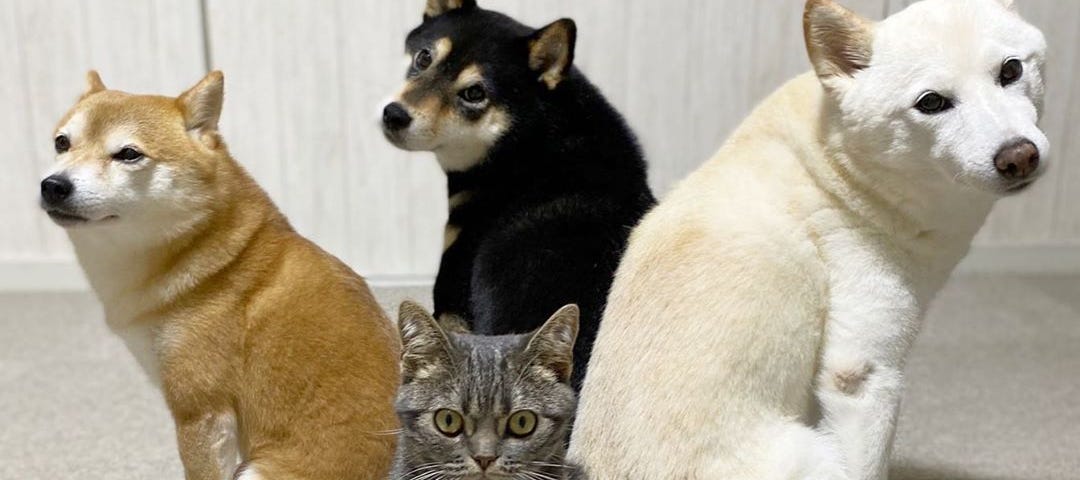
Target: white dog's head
(141, 162)
(952, 88)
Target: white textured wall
(305, 78)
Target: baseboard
(65, 275)
(1035, 259)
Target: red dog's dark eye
(128, 154)
(62, 144)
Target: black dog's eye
(932, 102)
(422, 60)
(128, 154)
(474, 94)
(1011, 71)
(62, 144)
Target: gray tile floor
(994, 389)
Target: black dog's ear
(438, 7)
(551, 51)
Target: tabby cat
(478, 407)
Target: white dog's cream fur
(758, 325)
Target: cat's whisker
(421, 469)
(429, 475)
(552, 465)
(534, 475)
(385, 432)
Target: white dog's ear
(839, 41)
(435, 8)
(93, 84)
(201, 104)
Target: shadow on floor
(934, 472)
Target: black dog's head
(472, 73)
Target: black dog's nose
(395, 117)
(1017, 161)
(55, 189)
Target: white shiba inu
(759, 322)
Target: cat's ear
(425, 350)
(551, 348)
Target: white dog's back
(686, 373)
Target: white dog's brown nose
(1017, 161)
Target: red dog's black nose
(55, 189)
(395, 117)
(1017, 161)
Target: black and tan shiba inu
(545, 179)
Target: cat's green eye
(449, 422)
(521, 423)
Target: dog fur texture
(758, 324)
(274, 358)
(545, 179)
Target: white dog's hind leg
(801, 453)
(780, 450)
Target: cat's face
(475, 407)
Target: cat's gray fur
(486, 379)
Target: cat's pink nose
(484, 461)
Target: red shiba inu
(273, 356)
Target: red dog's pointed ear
(202, 103)
(839, 41)
(435, 8)
(551, 51)
(93, 84)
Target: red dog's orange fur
(267, 347)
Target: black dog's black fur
(551, 206)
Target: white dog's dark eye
(933, 102)
(422, 60)
(62, 143)
(1011, 71)
(474, 94)
(128, 154)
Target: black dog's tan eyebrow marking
(442, 46)
(439, 51)
(429, 82)
(469, 75)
